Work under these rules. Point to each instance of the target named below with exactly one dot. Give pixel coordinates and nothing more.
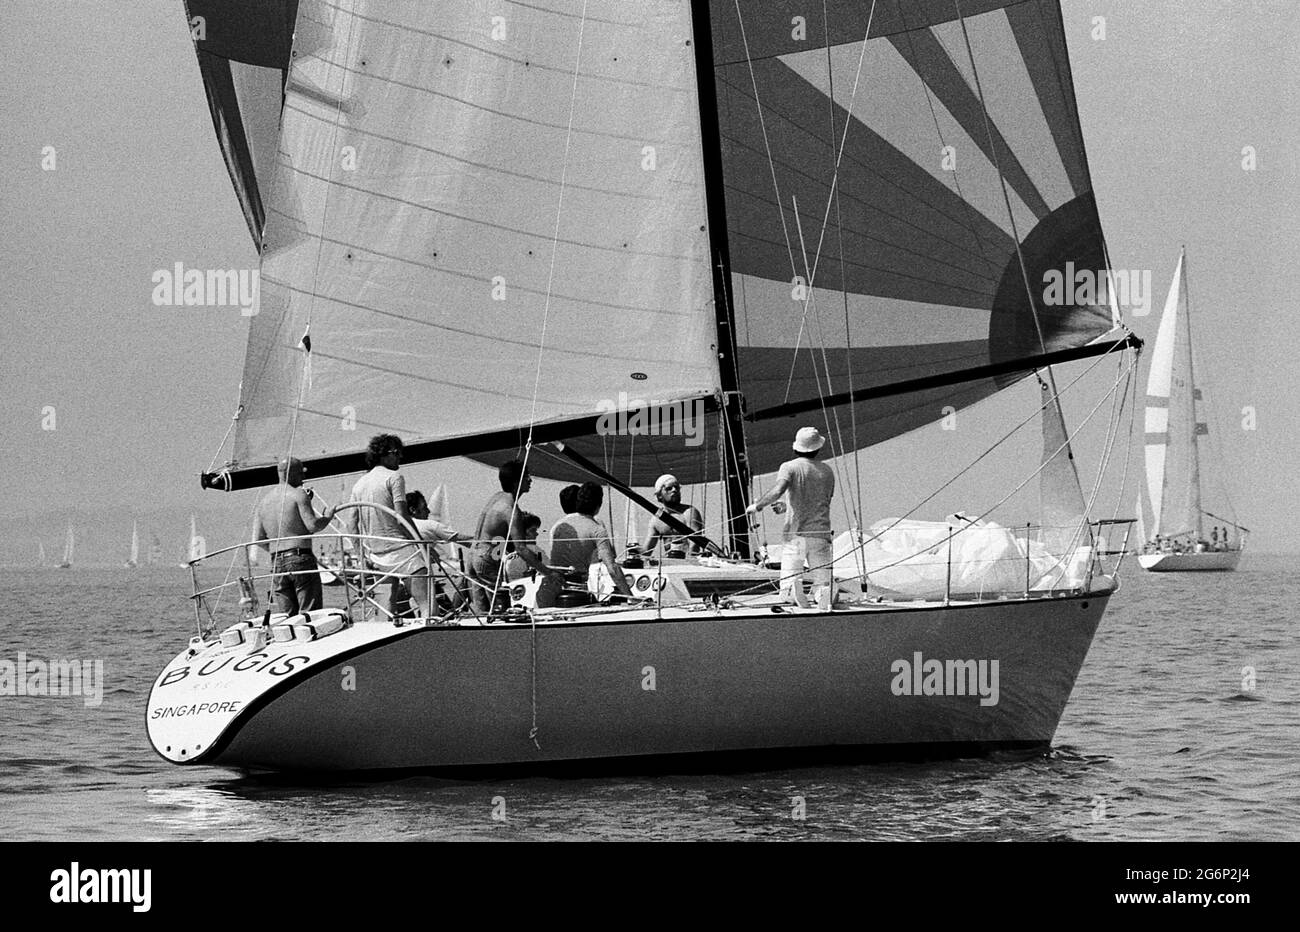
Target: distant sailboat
(40, 555)
(134, 561)
(1173, 465)
(198, 547)
(67, 549)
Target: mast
(735, 460)
(1196, 422)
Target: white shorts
(402, 560)
(818, 554)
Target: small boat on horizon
(197, 547)
(134, 560)
(69, 545)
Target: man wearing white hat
(669, 492)
(809, 487)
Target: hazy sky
(142, 395)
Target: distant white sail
(1173, 467)
(40, 556)
(68, 547)
(198, 546)
(135, 544)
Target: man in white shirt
(383, 534)
(809, 487)
(441, 534)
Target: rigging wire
(844, 286)
(861, 545)
(834, 187)
(541, 344)
(821, 395)
(546, 308)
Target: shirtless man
(286, 521)
(499, 524)
(669, 492)
(578, 540)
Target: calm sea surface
(1164, 738)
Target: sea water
(1184, 725)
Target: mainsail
(1172, 458)
(480, 232)
(135, 544)
(493, 222)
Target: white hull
(1210, 561)
(378, 697)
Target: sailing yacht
(701, 217)
(1179, 541)
(68, 545)
(40, 554)
(197, 547)
(134, 559)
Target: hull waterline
(1212, 561)
(631, 687)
